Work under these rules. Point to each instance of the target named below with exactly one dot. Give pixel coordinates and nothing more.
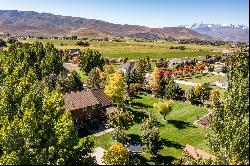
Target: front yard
(175, 134)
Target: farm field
(176, 133)
(136, 50)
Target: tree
(65, 57)
(148, 64)
(230, 123)
(117, 154)
(195, 95)
(214, 98)
(140, 71)
(115, 87)
(40, 132)
(206, 90)
(120, 120)
(34, 127)
(198, 94)
(150, 136)
(95, 80)
(164, 108)
(157, 83)
(68, 83)
(81, 43)
(52, 63)
(171, 89)
(108, 69)
(90, 59)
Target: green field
(178, 132)
(197, 78)
(136, 50)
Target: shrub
(81, 43)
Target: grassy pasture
(136, 50)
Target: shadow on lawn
(139, 115)
(164, 160)
(180, 124)
(140, 105)
(169, 143)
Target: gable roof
(85, 98)
(74, 51)
(127, 65)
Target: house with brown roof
(86, 105)
(128, 66)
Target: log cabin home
(86, 105)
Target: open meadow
(136, 50)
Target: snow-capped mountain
(227, 32)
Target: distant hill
(33, 23)
(222, 32)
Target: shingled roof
(127, 65)
(85, 98)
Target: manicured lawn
(175, 134)
(203, 78)
(136, 50)
(222, 91)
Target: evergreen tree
(140, 71)
(150, 136)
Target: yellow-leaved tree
(117, 154)
(115, 87)
(164, 107)
(155, 82)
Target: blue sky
(152, 13)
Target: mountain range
(46, 24)
(226, 32)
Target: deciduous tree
(164, 107)
(117, 154)
(230, 124)
(89, 59)
(115, 87)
